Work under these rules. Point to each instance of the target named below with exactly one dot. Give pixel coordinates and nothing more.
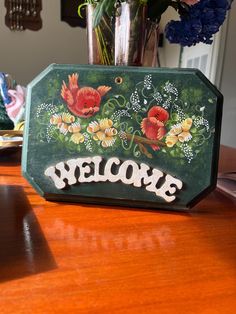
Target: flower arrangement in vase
(118, 30)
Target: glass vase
(123, 38)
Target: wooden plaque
(132, 136)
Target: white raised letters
(89, 169)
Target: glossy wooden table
(66, 258)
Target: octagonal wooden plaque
(143, 137)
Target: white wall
(25, 54)
(228, 83)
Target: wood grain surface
(70, 258)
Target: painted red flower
(83, 102)
(153, 127)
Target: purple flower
(199, 24)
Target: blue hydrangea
(199, 23)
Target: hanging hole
(118, 80)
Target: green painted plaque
(143, 137)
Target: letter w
(64, 174)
